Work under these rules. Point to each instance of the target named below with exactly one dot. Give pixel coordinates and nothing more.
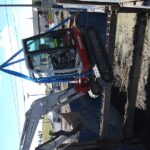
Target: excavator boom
(40, 107)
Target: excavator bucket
(74, 119)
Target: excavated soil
(123, 49)
(132, 70)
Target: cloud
(0, 78)
(8, 41)
(24, 25)
(8, 44)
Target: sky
(15, 24)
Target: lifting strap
(56, 79)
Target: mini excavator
(63, 55)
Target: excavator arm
(61, 136)
(40, 107)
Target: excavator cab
(60, 52)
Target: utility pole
(19, 5)
(28, 95)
